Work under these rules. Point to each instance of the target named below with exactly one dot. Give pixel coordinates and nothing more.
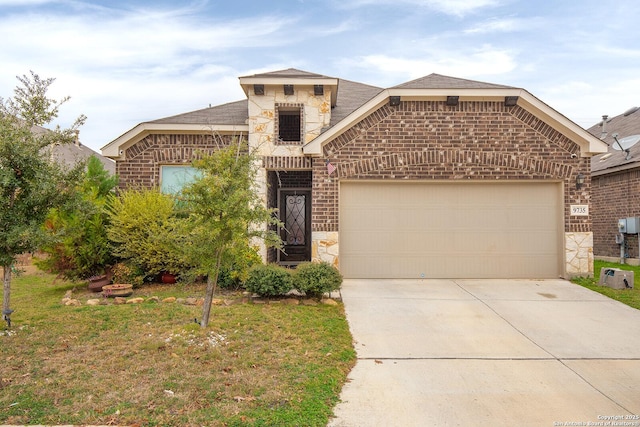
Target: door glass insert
(295, 219)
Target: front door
(295, 214)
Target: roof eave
(115, 149)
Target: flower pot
(168, 278)
(117, 290)
(96, 283)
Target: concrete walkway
(489, 353)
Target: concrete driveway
(489, 353)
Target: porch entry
(295, 214)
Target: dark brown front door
(295, 214)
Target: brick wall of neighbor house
(141, 164)
(429, 140)
(614, 196)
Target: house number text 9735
(579, 210)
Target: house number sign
(579, 210)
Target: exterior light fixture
(394, 101)
(258, 89)
(452, 100)
(579, 181)
(510, 101)
(318, 90)
(288, 89)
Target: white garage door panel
(453, 230)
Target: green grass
(149, 364)
(630, 297)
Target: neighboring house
(615, 185)
(437, 177)
(70, 154)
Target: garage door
(450, 230)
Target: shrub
(144, 231)
(316, 279)
(235, 267)
(269, 280)
(77, 245)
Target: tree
(30, 182)
(223, 213)
(79, 247)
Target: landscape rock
(65, 300)
(169, 300)
(135, 300)
(190, 301)
(291, 301)
(119, 300)
(310, 302)
(73, 302)
(329, 301)
(217, 301)
(93, 302)
(154, 299)
(181, 301)
(200, 302)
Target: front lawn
(149, 364)
(631, 297)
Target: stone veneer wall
(140, 166)
(316, 112)
(428, 140)
(615, 196)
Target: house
(615, 184)
(72, 153)
(437, 177)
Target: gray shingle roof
(351, 95)
(291, 72)
(624, 126)
(70, 154)
(438, 81)
(233, 113)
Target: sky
(127, 62)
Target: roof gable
(438, 81)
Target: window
(289, 124)
(174, 178)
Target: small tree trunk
(212, 282)
(6, 299)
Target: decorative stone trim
(579, 254)
(286, 163)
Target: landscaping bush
(316, 279)
(269, 280)
(145, 232)
(77, 246)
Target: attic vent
(630, 111)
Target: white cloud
(449, 7)
(481, 62)
(503, 25)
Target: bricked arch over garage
(428, 140)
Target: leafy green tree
(224, 213)
(30, 182)
(79, 247)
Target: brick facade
(615, 196)
(428, 140)
(140, 166)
